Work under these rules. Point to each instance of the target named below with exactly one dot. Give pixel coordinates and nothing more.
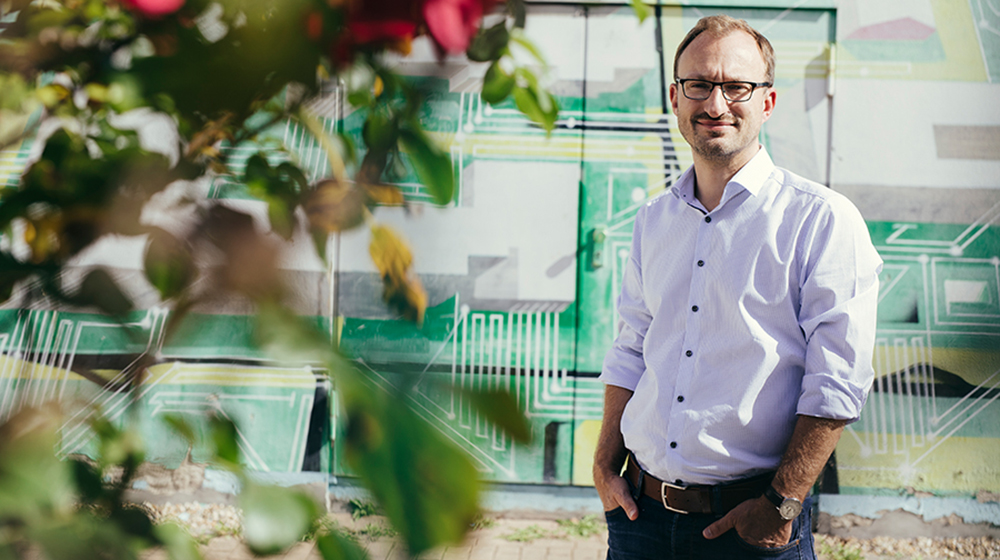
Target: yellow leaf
(386, 195)
(401, 288)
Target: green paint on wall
(928, 50)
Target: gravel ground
(922, 548)
(207, 521)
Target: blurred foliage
(74, 508)
(78, 80)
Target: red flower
(453, 23)
(385, 31)
(377, 24)
(155, 8)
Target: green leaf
(119, 447)
(497, 84)
(499, 408)
(489, 44)
(360, 98)
(517, 10)
(34, 484)
(335, 546)
(282, 217)
(380, 131)
(522, 40)
(134, 522)
(88, 480)
(100, 290)
(275, 518)
(279, 187)
(82, 536)
(320, 238)
(12, 271)
(538, 105)
(177, 542)
(224, 437)
(425, 484)
(641, 9)
(433, 165)
(181, 426)
(168, 264)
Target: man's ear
(769, 100)
(673, 96)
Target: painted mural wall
(892, 102)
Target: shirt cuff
(829, 396)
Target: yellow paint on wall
(584, 445)
(673, 34)
(169, 373)
(972, 365)
(956, 464)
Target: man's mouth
(714, 124)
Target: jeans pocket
(768, 552)
(617, 512)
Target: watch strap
(773, 496)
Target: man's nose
(716, 105)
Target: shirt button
(701, 263)
(695, 309)
(689, 353)
(673, 445)
(680, 398)
(708, 219)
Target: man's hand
(756, 521)
(614, 492)
(611, 453)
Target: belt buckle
(663, 496)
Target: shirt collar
(751, 177)
(755, 173)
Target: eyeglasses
(736, 92)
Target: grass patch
(532, 532)
(585, 527)
(568, 528)
(482, 522)
(362, 508)
(374, 531)
(839, 551)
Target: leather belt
(717, 499)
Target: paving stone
(589, 553)
(457, 552)
(508, 552)
(302, 551)
(485, 552)
(221, 546)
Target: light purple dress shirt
(734, 321)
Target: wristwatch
(788, 508)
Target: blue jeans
(662, 534)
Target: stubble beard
(714, 146)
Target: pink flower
(453, 23)
(155, 8)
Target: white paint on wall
(884, 132)
(530, 206)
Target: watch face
(790, 509)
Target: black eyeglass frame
(753, 87)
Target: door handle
(597, 237)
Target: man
(746, 335)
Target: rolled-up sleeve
(624, 363)
(838, 301)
